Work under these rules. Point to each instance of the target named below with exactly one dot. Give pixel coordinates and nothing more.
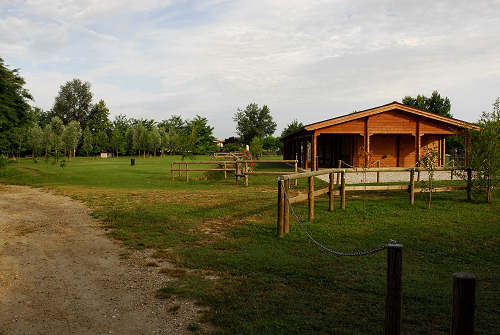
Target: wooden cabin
(394, 134)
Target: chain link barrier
(334, 252)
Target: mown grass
(266, 285)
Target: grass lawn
(256, 283)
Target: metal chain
(336, 253)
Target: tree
(485, 153)
(47, 139)
(117, 142)
(142, 139)
(292, 128)
(71, 136)
(57, 127)
(98, 118)
(14, 105)
(204, 140)
(101, 141)
(271, 143)
(434, 104)
(73, 102)
(429, 161)
(87, 141)
(254, 122)
(256, 147)
(35, 140)
(155, 140)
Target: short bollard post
(330, 192)
(279, 228)
(464, 292)
(286, 210)
(132, 161)
(394, 295)
(310, 197)
(469, 184)
(342, 190)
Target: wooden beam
(314, 152)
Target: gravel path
(59, 274)
(356, 178)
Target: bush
(256, 147)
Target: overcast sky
(306, 60)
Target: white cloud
(306, 60)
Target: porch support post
(417, 142)
(367, 142)
(314, 151)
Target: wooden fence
(228, 155)
(240, 168)
(183, 166)
(284, 187)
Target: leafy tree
(131, 139)
(429, 161)
(35, 140)
(117, 142)
(175, 121)
(71, 136)
(73, 102)
(14, 105)
(47, 139)
(204, 140)
(101, 141)
(271, 143)
(292, 128)
(142, 139)
(87, 141)
(98, 119)
(256, 147)
(435, 104)
(254, 122)
(155, 140)
(485, 153)
(57, 128)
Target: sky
(306, 60)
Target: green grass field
(266, 285)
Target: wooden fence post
(310, 197)
(378, 172)
(394, 294)
(286, 226)
(469, 184)
(412, 187)
(338, 173)
(246, 176)
(464, 291)
(296, 181)
(237, 172)
(225, 172)
(187, 173)
(279, 228)
(342, 190)
(330, 191)
(180, 169)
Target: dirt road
(59, 274)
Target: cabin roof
(385, 108)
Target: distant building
(220, 143)
(394, 134)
